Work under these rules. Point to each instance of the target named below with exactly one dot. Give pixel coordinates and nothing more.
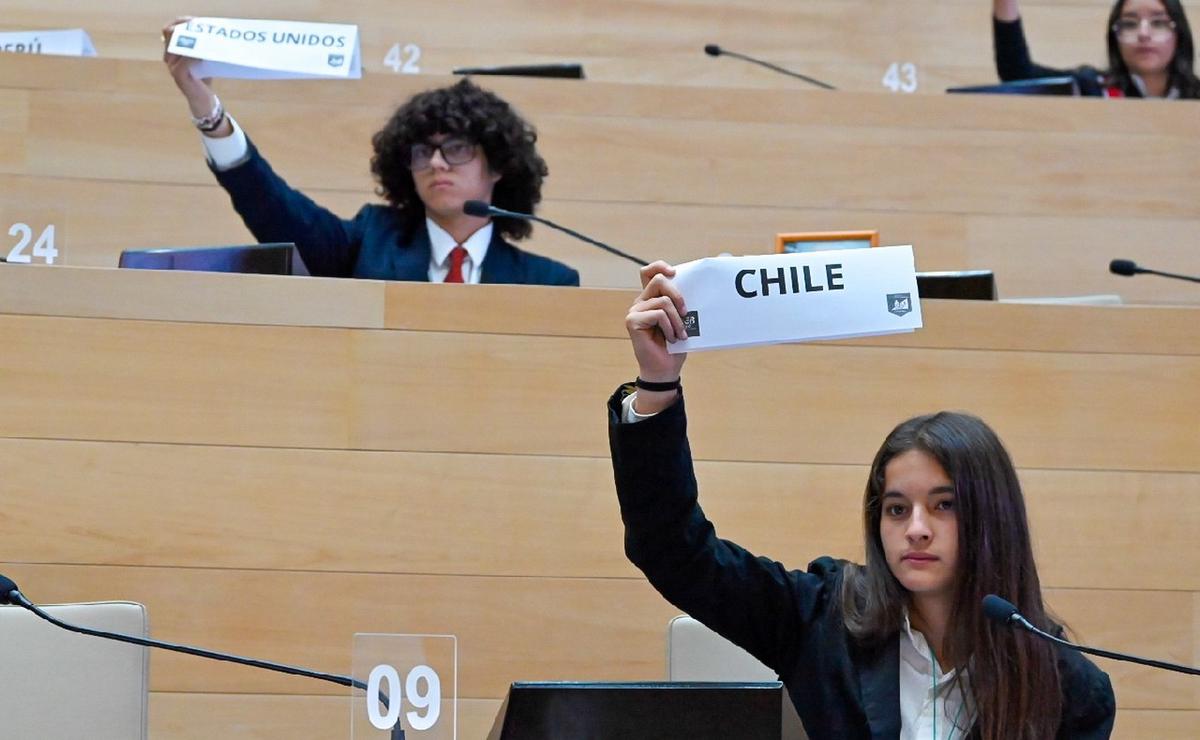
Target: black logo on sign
(186, 42)
(335, 60)
(691, 323)
(899, 303)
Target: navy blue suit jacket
(790, 620)
(374, 244)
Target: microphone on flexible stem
(10, 594)
(1004, 612)
(715, 51)
(486, 210)
(1129, 268)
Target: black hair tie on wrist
(672, 385)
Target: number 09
(387, 679)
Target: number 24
(43, 247)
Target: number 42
(403, 61)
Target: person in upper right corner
(1150, 52)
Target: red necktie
(457, 255)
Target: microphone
(10, 594)
(715, 51)
(1004, 612)
(486, 210)
(1129, 268)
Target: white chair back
(56, 684)
(696, 653)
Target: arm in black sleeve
(753, 602)
(276, 212)
(1012, 54)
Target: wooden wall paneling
(386, 390)
(848, 43)
(518, 515)
(192, 716)
(922, 170)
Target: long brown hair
(1013, 676)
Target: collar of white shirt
(932, 704)
(441, 243)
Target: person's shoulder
(1088, 699)
(539, 270)
(829, 568)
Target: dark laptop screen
(268, 259)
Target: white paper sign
(74, 42)
(776, 298)
(268, 50)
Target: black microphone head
(712, 50)
(1123, 267)
(477, 208)
(998, 609)
(7, 587)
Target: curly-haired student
(440, 149)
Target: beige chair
(696, 653)
(56, 684)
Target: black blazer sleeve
(276, 212)
(1012, 54)
(754, 602)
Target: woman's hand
(654, 320)
(1005, 10)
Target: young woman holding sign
(1150, 52)
(439, 149)
(898, 647)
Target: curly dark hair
(462, 109)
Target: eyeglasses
(1128, 29)
(454, 151)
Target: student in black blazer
(895, 648)
(440, 149)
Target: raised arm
(755, 602)
(1013, 61)
(201, 100)
(272, 210)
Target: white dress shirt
(227, 152)
(932, 705)
(441, 244)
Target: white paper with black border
(240, 48)
(834, 294)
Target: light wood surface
(665, 172)
(265, 717)
(386, 390)
(174, 505)
(187, 716)
(849, 43)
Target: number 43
(901, 77)
(43, 247)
